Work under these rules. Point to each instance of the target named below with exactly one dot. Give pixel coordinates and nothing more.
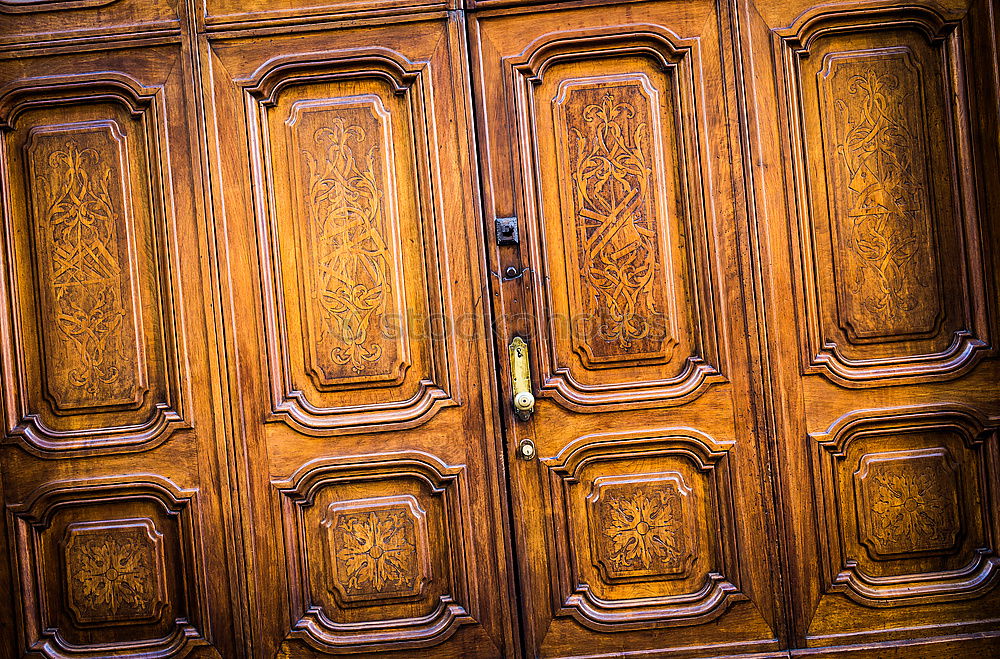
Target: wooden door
(875, 126)
(112, 459)
(607, 133)
(374, 498)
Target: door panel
(109, 457)
(365, 394)
(606, 137)
(887, 429)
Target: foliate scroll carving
(888, 233)
(874, 111)
(908, 502)
(617, 247)
(114, 571)
(79, 194)
(345, 169)
(640, 527)
(378, 548)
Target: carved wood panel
(347, 306)
(110, 562)
(909, 499)
(644, 529)
(882, 215)
(94, 337)
(616, 224)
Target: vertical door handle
(520, 379)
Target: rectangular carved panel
(609, 131)
(624, 311)
(349, 253)
(347, 191)
(885, 227)
(81, 200)
(873, 128)
(95, 342)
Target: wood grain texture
(255, 391)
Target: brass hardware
(526, 449)
(520, 379)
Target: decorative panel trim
(680, 57)
(144, 105)
(969, 342)
(455, 609)
(439, 389)
(935, 517)
(29, 519)
(577, 600)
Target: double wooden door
(275, 273)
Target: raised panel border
(145, 104)
(841, 575)
(409, 79)
(28, 519)
(576, 600)
(682, 58)
(299, 492)
(968, 346)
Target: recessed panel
(638, 531)
(109, 563)
(83, 229)
(94, 335)
(379, 547)
(907, 516)
(346, 189)
(623, 310)
(887, 289)
(349, 249)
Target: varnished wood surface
(255, 390)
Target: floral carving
(640, 528)
(112, 573)
(344, 202)
(80, 229)
(618, 255)
(375, 553)
(884, 201)
(910, 503)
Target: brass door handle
(520, 379)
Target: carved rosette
(908, 502)
(378, 548)
(114, 571)
(640, 528)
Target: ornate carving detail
(81, 227)
(378, 548)
(908, 501)
(642, 528)
(617, 246)
(113, 571)
(375, 552)
(884, 215)
(344, 201)
(379, 554)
